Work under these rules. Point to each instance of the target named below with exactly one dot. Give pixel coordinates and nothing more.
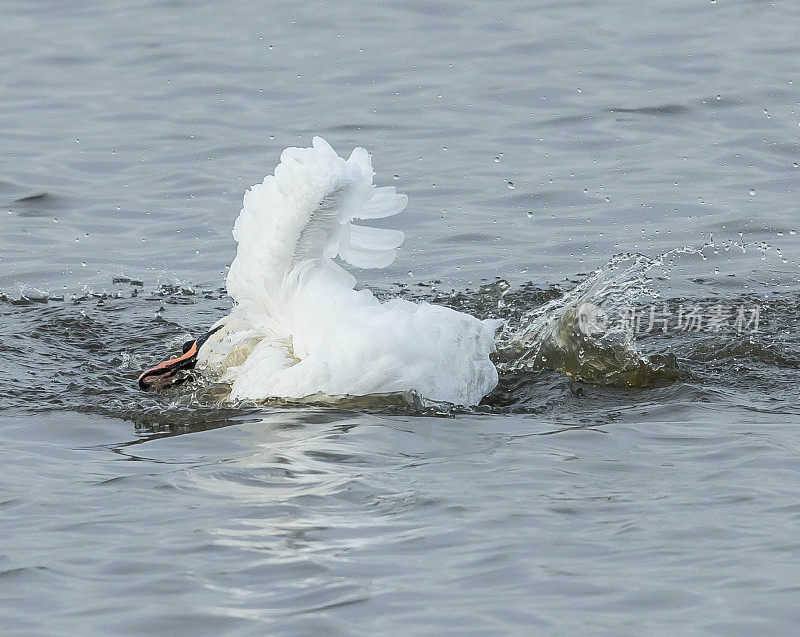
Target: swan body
(298, 328)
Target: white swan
(299, 328)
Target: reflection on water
(291, 457)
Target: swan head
(166, 373)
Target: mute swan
(298, 328)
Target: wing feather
(320, 236)
(385, 202)
(362, 258)
(369, 238)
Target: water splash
(588, 332)
(584, 333)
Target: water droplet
(395, 177)
(530, 214)
(794, 165)
(410, 273)
(719, 97)
(496, 160)
(752, 192)
(510, 185)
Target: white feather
(299, 328)
(375, 238)
(384, 202)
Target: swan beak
(162, 375)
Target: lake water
(536, 140)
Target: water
(536, 141)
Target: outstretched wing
(304, 213)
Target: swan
(298, 327)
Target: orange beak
(159, 376)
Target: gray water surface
(535, 141)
